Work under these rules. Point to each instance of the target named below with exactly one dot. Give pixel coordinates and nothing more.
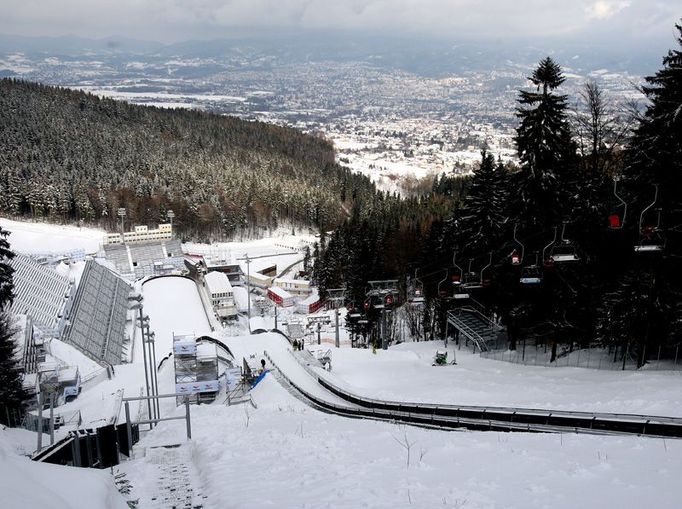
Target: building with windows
(141, 233)
(280, 297)
(297, 287)
(220, 292)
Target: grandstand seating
(95, 321)
(139, 260)
(39, 291)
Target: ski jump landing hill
(304, 377)
(175, 305)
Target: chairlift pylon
(650, 237)
(616, 221)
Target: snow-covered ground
(25, 484)
(285, 454)
(404, 372)
(28, 237)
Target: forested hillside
(67, 155)
(579, 245)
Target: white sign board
(184, 347)
(196, 387)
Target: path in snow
(176, 483)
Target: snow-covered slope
(27, 237)
(26, 484)
(404, 372)
(285, 454)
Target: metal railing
(151, 420)
(467, 331)
(487, 418)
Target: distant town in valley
(400, 123)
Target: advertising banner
(184, 347)
(197, 387)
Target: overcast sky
(176, 20)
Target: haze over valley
(399, 110)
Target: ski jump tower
(196, 369)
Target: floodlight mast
(121, 212)
(170, 215)
(336, 296)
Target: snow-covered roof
(311, 299)
(280, 292)
(217, 282)
(257, 276)
(240, 298)
(290, 281)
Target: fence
(530, 354)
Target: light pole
(248, 289)
(122, 214)
(135, 301)
(336, 295)
(170, 215)
(151, 344)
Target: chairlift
(458, 272)
(531, 274)
(442, 286)
(547, 260)
(367, 304)
(517, 254)
(564, 251)
(616, 220)
(457, 279)
(650, 236)
(486, 280)
(416, 291)
(471, 280)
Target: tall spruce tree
(483, 216)
(545, 148)
(11, 391)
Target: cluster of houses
(225, 284)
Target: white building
(280, 297)
(140, 234)
(297, 287)
(220, 291)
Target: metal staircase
(475, 326)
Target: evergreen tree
(11, 391)
(6, 271)
(632, 315)
(483, 216)
(654, 157)
(545, 149)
